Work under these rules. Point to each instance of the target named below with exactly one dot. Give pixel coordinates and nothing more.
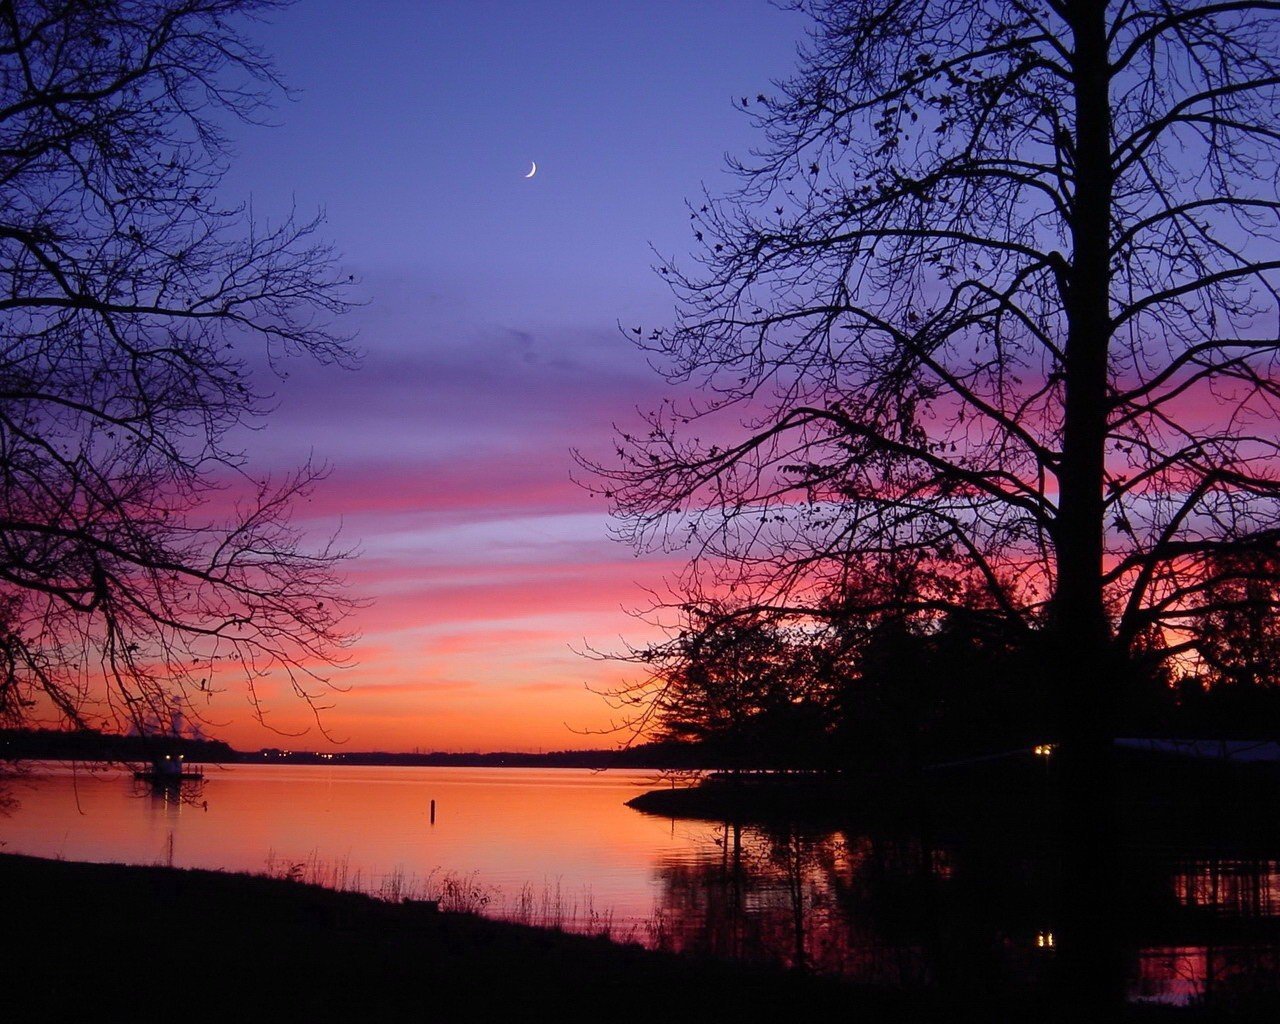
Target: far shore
(91, 745)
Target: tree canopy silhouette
(137, 553)
(750, 692)
(998, 288)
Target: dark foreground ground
(108, 942)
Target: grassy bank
(132, 943)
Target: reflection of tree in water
(752, 895)
(11, 773)
(1229, 886)
(902, 912)
(1215, 937)
(880, 910)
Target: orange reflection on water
(1186, 975)
(559, 829)
(1248, 887)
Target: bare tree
(998, 288)
(138, 556)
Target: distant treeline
(658, 756)
(91, 745)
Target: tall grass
(551, 907)
(456, 892)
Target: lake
(558, 847)
(507, 829)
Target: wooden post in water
(433, 812)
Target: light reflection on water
(898, 912)
(508, 827)
(557, 846)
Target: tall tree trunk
(1089, 955)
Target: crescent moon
(533, 169)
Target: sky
(490, 305)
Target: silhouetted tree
(1238, 631)
(1000, 284)
(137, 555)
(1232, 689)
(746, 690)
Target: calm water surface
(506, 828)
(558, 846)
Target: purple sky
(489, 326)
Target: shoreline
(134, 942)
(113, 941)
